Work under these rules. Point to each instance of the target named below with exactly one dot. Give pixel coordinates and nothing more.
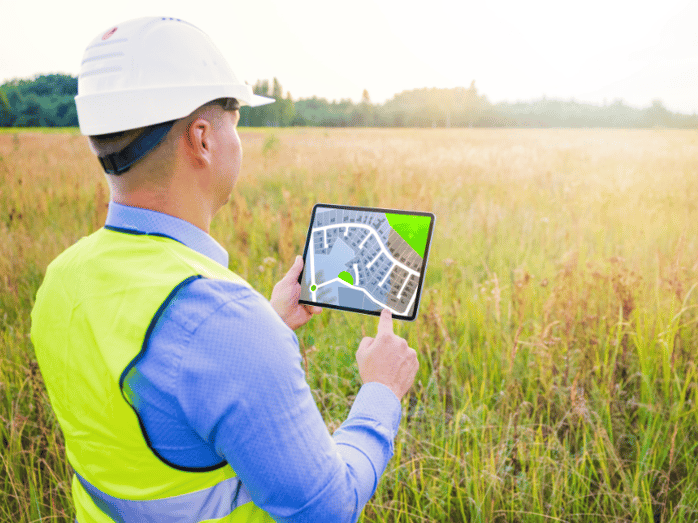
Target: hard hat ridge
(152, 70)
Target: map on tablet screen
(366, 259)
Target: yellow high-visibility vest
(93, 315)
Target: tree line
(45, 101)
(48, 101)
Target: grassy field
(557, 333)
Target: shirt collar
(149, 222)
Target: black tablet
(364, 259)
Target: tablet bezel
(423, 270)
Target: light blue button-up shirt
(222, 381)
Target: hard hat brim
(104, 113)
(258, 100)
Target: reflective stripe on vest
(211, 503)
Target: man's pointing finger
(385, 324)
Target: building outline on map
(370, 266)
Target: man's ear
(198, 138)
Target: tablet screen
(366, 259)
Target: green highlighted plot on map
(413, 229)
(365, 259)
(344, 275)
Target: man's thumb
(295, 271)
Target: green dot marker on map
(344, 275)
(313, 287)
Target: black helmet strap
(121, 161)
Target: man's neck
(183, 208)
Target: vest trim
(139, 357)
(214, 502)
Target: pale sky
(592, 51)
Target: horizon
(532, 101)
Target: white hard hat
(152, 70)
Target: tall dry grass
(556, 335)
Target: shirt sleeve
(241, 387)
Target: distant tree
(14, 96)
(657, 115)
(319, 112)
(471, 104)
(365, 98)
(288, 111)
(66, 113)
(275, 109)
(312, 110)
(30, 113)
(365, 113)
(6, 113)
(417, 108)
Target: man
(178, 388)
